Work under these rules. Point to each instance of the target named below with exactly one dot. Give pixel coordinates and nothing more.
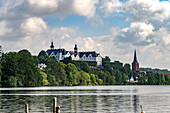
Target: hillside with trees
(20, 69)
(160, 71)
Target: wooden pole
(54, 104)
(26, 108)
(58, 109)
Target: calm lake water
(87, 99)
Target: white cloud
(33, 26)
(84, 7)
(137, 33)
(110, 6)
(144, 10)
(22, 25)
(28, 8)
(4, 29)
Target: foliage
(159, 71)
(19, 69)
(45, 81)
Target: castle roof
(55, 51)
(93, 53)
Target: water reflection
(110, 100)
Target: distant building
(60, 54)
(132, 79)
(135, 64)
(41, 66)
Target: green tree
(28, 71)
(53, 70)
(73, 74)
(43, 57)
(151, 79)
(142, 79)
(85, 78)
(52, 80)
(62, 74)
(119, 77)
(105, 60)
(84, 66)
(9, 67)
(0, 73)
(12, 81)
(163, 79)
(45, 81)
(93, 79)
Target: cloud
(4, 29)
(85, 7)
(110, 6)
(28, 8)
(137, 33)
(33, 26)
(144, 10)
(138, 10)
(147, 28)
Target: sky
(113, 28)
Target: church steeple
(52, 46)
(135, 57)
(135, 64)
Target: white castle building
(60, 54)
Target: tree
(19, 69)
(45, 81)
(84, 66)
(85, 78)
(151, 79)
(43, 57)
(93, 79)
(9, 67)
(142, 79)
(0, 73)
(52, 80)
(67, 60)
(62, 74)
(73, 74)
(119, 77)
(28, 70)
(105, 60)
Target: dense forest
(19, 69)
(160, 71)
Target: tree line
(19, 69)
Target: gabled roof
(93, 54)
(55, 51)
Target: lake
(87, 99)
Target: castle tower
(135, 64)
(75, 50)
(52, 46)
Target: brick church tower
(135, 64)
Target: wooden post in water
(54, 104)
(26, 108)
(58, 109)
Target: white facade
(60, 54)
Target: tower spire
(135, 64)
(135, 57)
(52, 46)
(75, 50)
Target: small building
(41, 66)
(60, 54)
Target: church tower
(75, 50)
(135, 64)
(52, 46)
